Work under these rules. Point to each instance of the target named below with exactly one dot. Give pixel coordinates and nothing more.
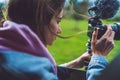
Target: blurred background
(76, 20)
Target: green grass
(64, 50)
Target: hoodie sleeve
(96, 66)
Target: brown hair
(34, 13)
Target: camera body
(103, 9)
(96, 23)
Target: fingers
(105, 44)
(112, 35)
(108, 32)
(108, 48)
(94, 36)
(108, 36)
(108, 40)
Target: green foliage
(64, 50)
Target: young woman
(31, 26)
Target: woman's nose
(59, 30)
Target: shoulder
(26, 65)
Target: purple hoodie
(20, 37)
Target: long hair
(34, 13)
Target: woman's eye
(58, 21)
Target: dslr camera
(103, 9)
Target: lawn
(64, 50)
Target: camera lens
(116, 28)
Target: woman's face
(54, 28)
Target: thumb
(94, 36)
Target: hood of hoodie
(20, 37)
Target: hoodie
(20, 37)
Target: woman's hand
(79, 62)
(82, 60)
(103, 45)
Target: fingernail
(95, 28)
